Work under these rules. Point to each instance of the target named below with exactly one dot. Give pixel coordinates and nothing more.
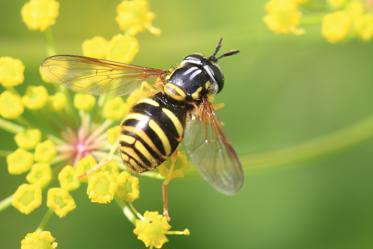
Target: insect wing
(95, 76)
(211, 152)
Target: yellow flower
(122, 48)
(283, 17)
(101, 187)
(68, 178)
(336, 26)
(11, 106)
(36, 97)
(138, 94)
(181, 164)
(128, 187)
(152, 229)
(84, 102)
(112, 167)
(95, 47)
(113, 134)
(355, 8)
(337, 3)
(40, 14)
(115, 109)
(85, 164)
(40, 174)
(19, 161)
(58, 101)
(45, 151)
(28, 139)
(135, 16)
(27, 198)
(364, 27)
(11, 71)
(39, 240)
(300, 1)
(60, 201)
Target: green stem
(4, 153)
(10, 126)
(6, 203)
(44, 221)
(126, 211)
(51, 50)
(312, 20)
(313, 148)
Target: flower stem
(312, 20)
(5, 203)
(126, 211)
(10, 126)
(51, 50)
(184, 232)
(44, 221)
(4, 153)
(313, 148)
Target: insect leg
(165, 184)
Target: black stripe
(139, 163)
(155, 155)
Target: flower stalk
(51, 50)
(313, 148)
(44, 221)
(5, 203)
(10, 126)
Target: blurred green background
(279, 91)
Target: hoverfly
(179, 112)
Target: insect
(180, 111)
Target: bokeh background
(280, 91)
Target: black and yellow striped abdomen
(151, 132)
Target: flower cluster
(339, 20)
(77, 139)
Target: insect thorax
(194, 79)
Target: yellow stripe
(174, 91)
(195, 95)
(135, 165)
(125, 157)
(140, 147)
(162, 136)
(127, 139)
(144, 137)
(175, 121)
(138, 116)
(149, 101)
(132, 153)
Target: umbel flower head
(153, 228)
(283, 17)
(27, 198)
(75, 145)
(39, 240)
(11, 71)
(134, 17)
(339, 20)
(40, 14)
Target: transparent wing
(211, 152)
(95, 76)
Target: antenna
(226, 54)
(218, 47)
(229, 53)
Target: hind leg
(165, 184)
